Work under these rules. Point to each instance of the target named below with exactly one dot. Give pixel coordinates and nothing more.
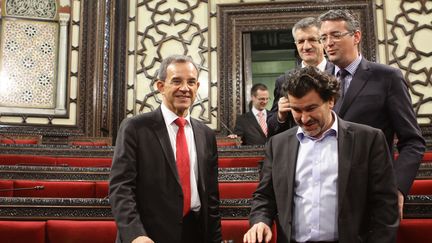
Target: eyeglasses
(310, 40)
(335, 36)
(263, 99)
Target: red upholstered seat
(6, 187)
(18, 141)
(415, 231)
(421, 187)
(55, 189)
(14, 159)
(89, 143)
(84, 162)
(63, 231)
(232, 190)
(225, 162)
(22, 231)
(101, 189)
(234, 229)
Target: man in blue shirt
(327, 180)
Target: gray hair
(162, 72)
(352, 24)
(304, 23)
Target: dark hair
(304, 23)
(301, 81)
(352, 24)
(162, 72)
(257, 87)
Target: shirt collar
(170, 116)
(332, 131)
(352, 68)
(320, 66)
(255, 111)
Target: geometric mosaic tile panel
(29, 61)
(31, 8)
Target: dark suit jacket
(145, 192)
(367, 195)
(274, 127)
(378, 96)
(248, 128)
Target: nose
(307, 45)
(184, 87)
(305, 118)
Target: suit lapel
(358, 82)
(329, 68)
(291, 170)
(254, 122)
(345, 152)
(200, 139)
(161, 132)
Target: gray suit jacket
(145, 191)
(367, 195)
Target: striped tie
(262, 122)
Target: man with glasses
(251, 127)
(311, 51)
(373, 94)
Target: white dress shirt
(315, 207)
(255, 112)
(169, 118)
(320, 66)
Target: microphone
(23, 189)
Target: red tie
(183, 167)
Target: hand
(400, 204)
(259, 232)
(232, 136)
(283, 109)
(142, 239)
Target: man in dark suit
(251, 127)
(327, 180)
(163, 181)
(373, 94)
(311, 52)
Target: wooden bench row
(226, 174)
(418, 206)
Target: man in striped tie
(251, 127)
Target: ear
(357, 37)
(331, 102)
(160, 86)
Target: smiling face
(311, 113)
(309, 47)
(340, 44)
(180, 87)
(261, 99)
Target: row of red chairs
(224, 162)
(61, 231)
(97, 189)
